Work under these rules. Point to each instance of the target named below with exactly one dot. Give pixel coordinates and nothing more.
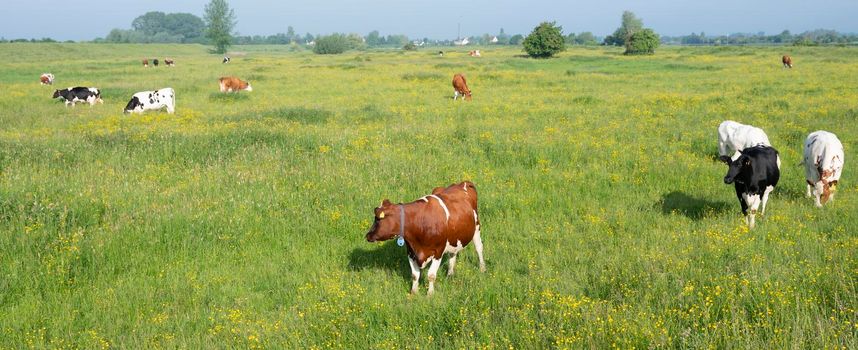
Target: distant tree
(503, 38)
(373, 39)
(546, 40)
(332, 44)
(150, 23)
(290, 35)
(569, 39)
(220, 21)
(410, 47)
(630, 24)
(308, 38)
(642, 42)
(516, 39)
(585, 38)
(396, 40)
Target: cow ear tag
(381, 215)
(400, 241)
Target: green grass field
(239, 221)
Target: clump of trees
(642, 42)
(220, 21)
(813, 37)
(546, 40)
(160, 27)
(631, 34)
(629, 25)
(584, 38)
(337, 43)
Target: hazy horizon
(41, 18)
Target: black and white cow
(755, 174)
(225, 59)
(73, 95)
(152, 100)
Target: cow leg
(809, 191)
(433, 272)
(769, 189)
(818, 190)
(415, 275)
(478, 245)
(455, 95)
(753, 202)
(451, 264)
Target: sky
(437, 19)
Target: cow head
(468, 95)
(737, 167)
(385, 222)
(56, 94)
(133, 105)
(248, 88)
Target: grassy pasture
(239, 221)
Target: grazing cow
(441, 53)
(474, 53)
(226, 59)
(755, 174)
(733, 137)
(230, 84)
(169, 62)
(79, 94)
(152, 100)
(47, 79)
(823, 163)
(442, 222)
(787, 61)
(145, 63)
(460, 87)
(155, 62)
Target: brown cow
(230, 84)
(787, 61)
(145, 63)
(460, 87)
(47, 79)
(442, 222)
(169, 62)
(474, 53)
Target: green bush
(643, 42)
(546, 40)
(410, 47)
(332, 44)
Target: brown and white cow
(47, 79)
(460, 87)
(230, 84)
(169, 62)
(823, 165)
(474, 53)
(442, 222)
(145, 63)
(787, 61)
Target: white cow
(823, 163)
(151, 100)
(733, 137)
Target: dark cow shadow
(388, 257)
(693, 208)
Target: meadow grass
(239, 221)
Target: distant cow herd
(447, 220)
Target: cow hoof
(482, 269)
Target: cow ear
(385, 203)
(746, 160)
